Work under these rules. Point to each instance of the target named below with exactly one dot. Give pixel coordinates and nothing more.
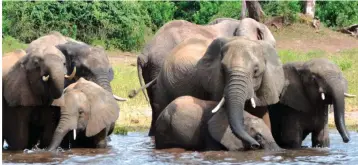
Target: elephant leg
(212, 145)
(18, 133)
(291, 135)
(320, 138)
(100, 140)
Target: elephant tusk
(253, 102)
(45, 78)
(323, 96)
(74, 134)
(70, 77)
(221, 103)
(119, 98)
(349, 95)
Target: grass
(135, 114)
(10, 44)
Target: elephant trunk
(62, 129)
(236, 94)
(103, 81)
(339, 108)
(57, 81)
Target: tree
(310, 7)
(255, 11)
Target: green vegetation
(126, 25)
(10, 44)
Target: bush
(288, 9)
(120, 24)
(229, 10)
(10, 44)
(207, 10)
(337, 13)
(160, 12)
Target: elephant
(310, 87)
(35, 80)
(152, 57)
(236, 69)
(88, 110)
(91, 62)
(9, 59)
(187, 122)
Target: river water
(138, 149)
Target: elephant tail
(139, 71)
(133, 92)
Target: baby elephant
(188, 122)
(89, 111)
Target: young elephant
(89, 111)
(187, 122)
(303, 108)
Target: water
(137, 148)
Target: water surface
(138, 148)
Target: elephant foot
(102, 144)
(272, 146)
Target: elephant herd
(219, 86)
(58, 88)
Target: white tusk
(74, 134)
(323, 96)
(119, 98)
(45, 78)
(349, 95)
(253, 102)
(220, 104)
(70, 77)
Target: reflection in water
(137, 148)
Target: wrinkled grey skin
(151, 59)
(187, 122)
(24, 90)
(89, 110)
(235, 68)
(301, 109)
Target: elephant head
(246, 27)
(241, 71)
(37, 78)
(92, 63)
(314, 83)
(85, 106)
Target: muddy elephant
(87, 110)
(10, 58)
(187, 122)
(310, 88)
(151, 59)
(34, 80)
(246, 73)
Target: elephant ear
(220, 131)
(272, 78)
(210, 64)
(293, 93)
(17, 90)
(104, 112)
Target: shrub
(228, 9)
(337, 13)
(288, 9)
(160, 12)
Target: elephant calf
(87, 110)
(303, 108)
(187, 122)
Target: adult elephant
(87, 110)
(187, 122)
(151, 59)
(303, 108)
(91, 62)
(235, 69)
(34, 80)
(10, 58)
